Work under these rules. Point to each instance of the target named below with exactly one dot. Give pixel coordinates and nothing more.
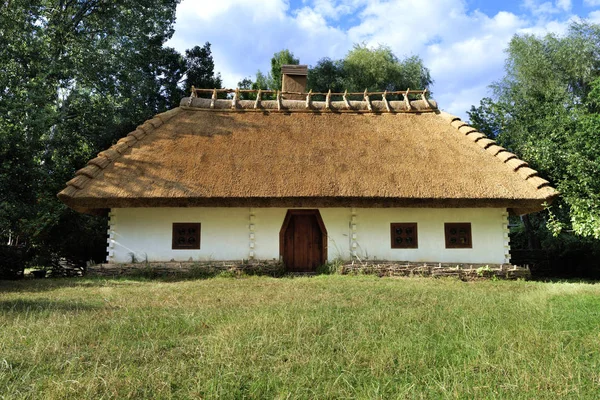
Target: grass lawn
(320, 337)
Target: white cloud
(335, 9)
(565, 5)
(244, 36)
(539, 8)
(591, 3)
(463, 49)
(594, 17)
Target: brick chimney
(293, 79)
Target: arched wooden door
(303, 241)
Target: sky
(462, 42)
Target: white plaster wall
(147, 233)
(242, 233)
(486, 229)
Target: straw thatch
(196, 155)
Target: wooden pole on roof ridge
(308, 99)
(213, 98)
(258, 99)
(406, 100)
(234, 101)
(192, 95)
(366, 98)
(345, 97)
(279, 105)
(328, 100)
(424, 98)
(385, 101)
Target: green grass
(321, 337)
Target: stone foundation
(461, 271)
(200, 269)
(275, 268)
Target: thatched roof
(203, 154)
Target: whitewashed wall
(243, 233)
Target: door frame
(286, 222)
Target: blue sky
(461, 41)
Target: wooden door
(304, 239)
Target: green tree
(327, 75)
(200, 68)
(261, 82)
(545, 109)
(272, 80)
(74, 77)
(374, 69)
(283, 57)
(379, 69)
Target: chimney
(293, 79)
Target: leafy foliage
(373, 69)
(363, 68)
(283, 57)
(271, 80)
(74, 77)
(379, 69)
(327, 75)
(200, 68)
(546, 110)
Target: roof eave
(99, 206)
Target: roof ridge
(511, 160)
(105, 158)
(294, 105)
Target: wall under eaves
(253, 233)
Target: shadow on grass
(49, 284)
(135, 278)
(42, 305)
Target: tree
(327, 75)
(271, 81)
(545, 109)
(75, 77)
(379, 69)
(200, 68)
(247, 83)
(283, 57)
(374, 69)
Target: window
(186, 236)
(458, 235)
(404, 235)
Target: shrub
(12, 262)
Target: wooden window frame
(448, 235)
(404, 225)
(186, 225)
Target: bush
(12, 262)
(568, 255)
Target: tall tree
(545, 109)
(327, 75)
(200, 68)
(75, 76)
(283, 57)
(379, 69)
(373, 69)
(271, 80)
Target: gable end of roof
(509, 159)
(85, 175)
